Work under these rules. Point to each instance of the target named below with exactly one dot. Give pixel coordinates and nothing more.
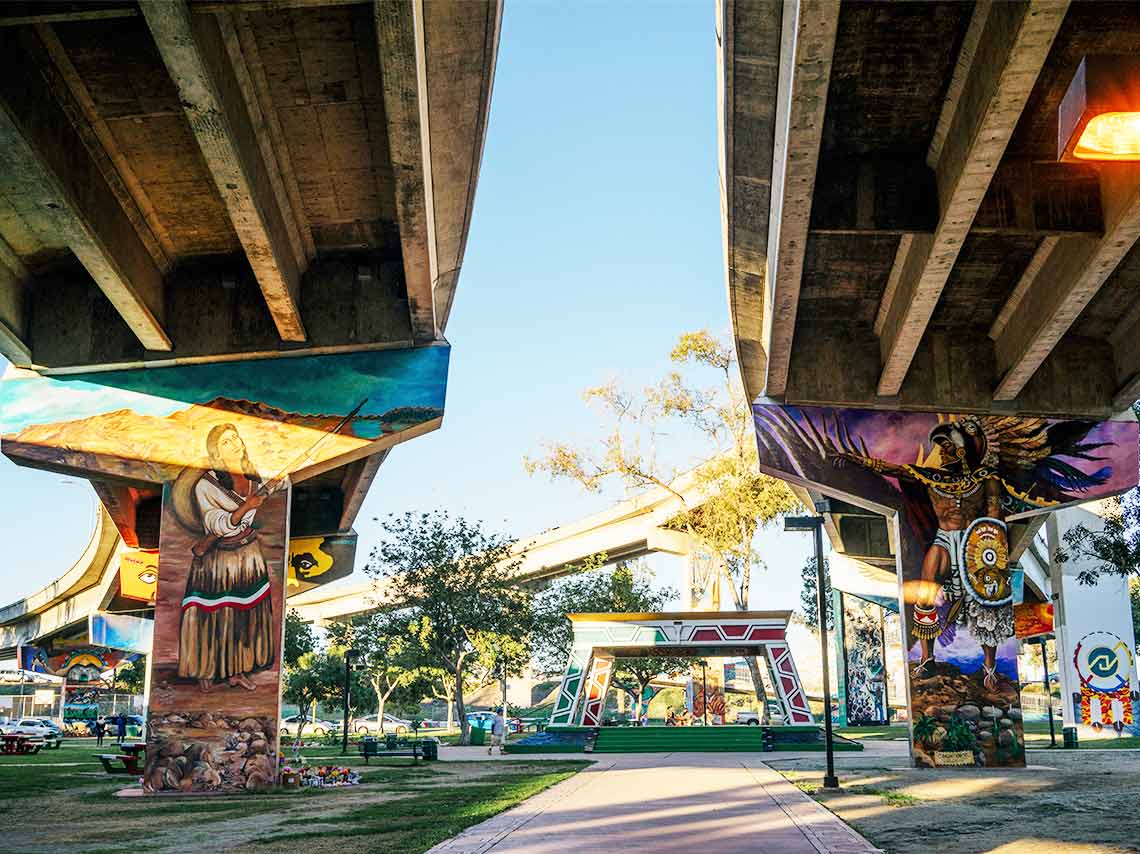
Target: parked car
(32, 726)
(292, 725)
(486, 720)
(50, 723)
(370, 725)
(775, 716)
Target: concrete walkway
(679, 802)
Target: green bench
(393, 746)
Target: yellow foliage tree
(736, 498)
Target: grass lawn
(399, 807)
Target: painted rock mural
(954, 482)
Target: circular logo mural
(1103, 661)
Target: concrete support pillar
(219, 627)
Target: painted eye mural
(138, 574)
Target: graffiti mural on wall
(955, 482)
(864, 655)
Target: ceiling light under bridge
(1099, 117)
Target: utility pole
(349, 655)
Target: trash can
(1070, 734)
(478, 736)
(430, 748)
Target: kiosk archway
(601, 638)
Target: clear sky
(595, 242)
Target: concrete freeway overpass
(898, 230)
(629, 529)
(190, 183)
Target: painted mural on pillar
(955, 482)
(215, 678)
(79, 663)
(1104, 667)
(318, 560)
(147, 425)
(864, 660)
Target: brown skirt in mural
(227, 615)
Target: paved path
(679, 802)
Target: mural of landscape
(146, 425)
(954, 481)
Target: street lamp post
(1048, 693)
(704, 693)
(349, 656)
(815, 525)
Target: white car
(32, 726)
(292, 725)
(368, 724)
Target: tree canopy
(644, 446)
(453, 582)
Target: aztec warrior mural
(954, 483)
(227, 443)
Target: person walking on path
(496, 734)
(100, 729)
(122, 728)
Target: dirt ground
(1064, 802)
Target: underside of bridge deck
(187, 182)
(899, 231)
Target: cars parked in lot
(486, 720)
(370, 725)
(33, 726)
(775, 716)
(292, 725)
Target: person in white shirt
(496, 734)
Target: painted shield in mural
(984, 563)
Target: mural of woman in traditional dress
(227, 627)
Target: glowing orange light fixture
(1099, 117)
(1110, 136)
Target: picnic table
(20, 743)
(128, 762)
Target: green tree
(736, 499)
(311, 681)
(634, 675)
(808, 596)
(131, 677)
(1134, 598)
(454, 583)
(626, 588)
(388, 653)
(1112, 548)
(299, 638)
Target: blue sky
(595, 242)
